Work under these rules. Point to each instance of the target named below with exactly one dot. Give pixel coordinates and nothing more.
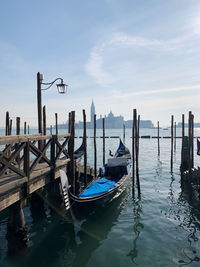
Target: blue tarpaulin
(98, 187)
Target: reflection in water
(137, 226)
(185, 211)
(96, 229)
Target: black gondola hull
(81, 207)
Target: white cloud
(159, 91)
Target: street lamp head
(62, 87)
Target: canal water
(160, 229)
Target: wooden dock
(24, 168)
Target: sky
(123, 54)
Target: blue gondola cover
(101, 186)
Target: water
(160, 229)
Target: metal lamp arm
(50, 84)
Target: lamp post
(62, 88)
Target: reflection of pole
(39, 103)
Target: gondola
(103, 189)
(79, 152)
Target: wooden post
(95, 148)
(182, 146)
(103, 124)
(18, 126)
(39, 106)
(190, 141)
(69, 123)
(25, 127)
(44, 125)
(27, 160)
(172, 139)
(158, 139)
(175, 137)
(10, 127)
(56, 119)
(124, 133)
(44, 121)
(137, 156)
(85, 148)
(72, 161)
(17, 133)
(28, 129)
(7, 123)
(133, 153)
(50, 129)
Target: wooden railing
(20, 154)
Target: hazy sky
(123, 54)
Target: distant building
(111, 121)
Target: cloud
(159, 91)
(94, 68)
(101, 62)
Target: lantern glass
(62, 88)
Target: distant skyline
(122, 54)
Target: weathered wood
(56, 122)
(10, 127)
(172, 141)
(133, 153)
(14, 139)
(124, 133)
(182, 146)
(190, 139)
(7, 123)
(25, 127)
(103, 126)
(175, 137)
(72, 159)
(85, 147)
(137, 156)
(39, 104)
(27, 159)
(44, 121)
(95, 148)
(158, 139)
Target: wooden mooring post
(191, 140)
(133, 154)
(175, 137)
(7, 123)
(85, 147)
(95, 148)
(135, 150)
(137, 157)
(25, 127)
(172, 140)
(124, 133)
(158, 139)
(103, 126)
(183, 160)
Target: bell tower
(92, 112)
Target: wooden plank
(6, 140)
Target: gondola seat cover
(101, 186)
(114, 162)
